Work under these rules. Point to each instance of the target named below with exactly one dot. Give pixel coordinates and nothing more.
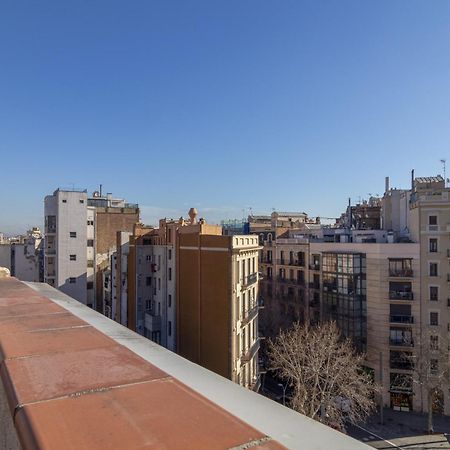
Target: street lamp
(284, 393)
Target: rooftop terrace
(73, 379)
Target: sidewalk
(404, 430)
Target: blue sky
(293, 105)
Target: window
(90, 263)
(146, 241)
(159, 284)
(73, 257)
(72, 280)
(170, 300)
(434, 342)
(81, 200)
(434, 293)
(148, 258)
(73, 234)
(433, 269)
(90, 242)
(434, 366)
(433, 245)
(148, 281)
(170, 328)
(432, 220)
(434, 318)
(90, 285)
(90, 222)
(64, 200)
(170, 273)
(170, 253)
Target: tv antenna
(443, 162)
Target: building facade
(385, 281)
(217, 302)
(80, 235)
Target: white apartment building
(80, 239)
(23, 256)
(69, 246)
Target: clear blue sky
(222, 105)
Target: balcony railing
(404, 273)
(314, 266)
(152, 322)
(249, 353)
(255, 383)
(401, 342)
(314, 285)
(293, 281)
(250, 279)
(330, 287)
(397, 318)
(250, 314)
(266, 260)
(401, 295)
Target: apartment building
(217, 301)
(23, 256)
(384, 281)
(80, 235)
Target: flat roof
(75, 379)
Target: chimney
(386, 184)
(412, 179)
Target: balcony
(331, 287)
(250, 279)
(314, 285)
(401, 273)
(152, 322)
(401, 342)
(315, 266)
(401, 319)
(266, 260)
(249, 315)
(282, 262)
(126, 391)
(249, 353)
(255, 383)
(401, 295)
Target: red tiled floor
(30, 309)
(58, 374)
(163, 414)
(18, 324)
(52, 341)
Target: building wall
(111, 220)
(5, 255)
(70, 210)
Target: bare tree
(325, 374)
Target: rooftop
(72, 378)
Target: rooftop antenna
(443, 161)
(101, 189)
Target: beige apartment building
(388, 289)
(217, 302)
(191, 289)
